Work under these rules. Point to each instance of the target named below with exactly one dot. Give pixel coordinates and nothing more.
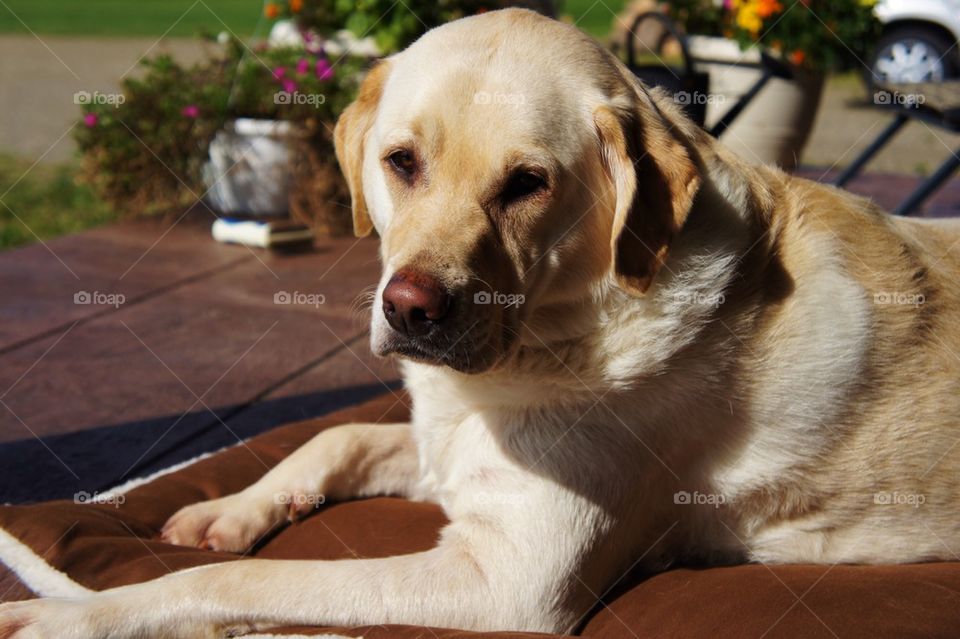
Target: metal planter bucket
(249, 170)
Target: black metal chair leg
(928, 186)
(724, 122)
(881, 141)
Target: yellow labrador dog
(624, 346)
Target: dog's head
(510, 166)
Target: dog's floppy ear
(656, 181)
(349, 138)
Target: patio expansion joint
(145, 297)
(236, 410)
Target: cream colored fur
(692, 326)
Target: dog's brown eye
(403, 162)
(523, 184)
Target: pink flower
(190, 111)
(279, 72)
(324, 70)
(289, 86)
(90, 120)
(312, 43)
(303, 65)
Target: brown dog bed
(105, 545)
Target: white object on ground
(259, 233)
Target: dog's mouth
(470, 351)
(423, 319)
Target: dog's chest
(456, 456)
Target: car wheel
(913, 54)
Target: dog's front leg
(353, 460)
(488, 572)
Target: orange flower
(296, 6)
(798, 57)
(766, 8)
(271, 10)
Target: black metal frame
(931, 183)
(771, 67)
(768, 66)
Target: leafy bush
(819, 35)
(393, 25)
(146, 152)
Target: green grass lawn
(593, 16)
(183, 18)
(47, 201)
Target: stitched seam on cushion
(35, 573)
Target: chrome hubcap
(909, 61)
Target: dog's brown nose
(413, 302)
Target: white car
(919, 42)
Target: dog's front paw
(108, 615)
(232, 524)
(45, 619)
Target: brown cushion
(101, 546)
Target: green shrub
(819, 35)
(145, 151)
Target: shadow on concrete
(96, 459)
